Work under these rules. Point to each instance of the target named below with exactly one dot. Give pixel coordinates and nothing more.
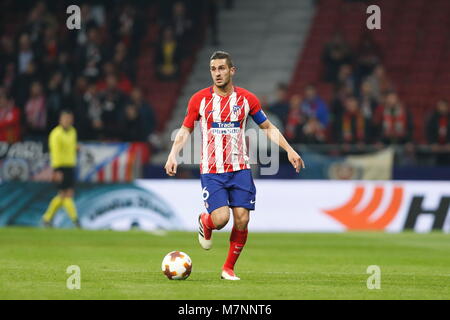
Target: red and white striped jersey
(222, 123)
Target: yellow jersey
(63, 147)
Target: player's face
(221, 73)
(66, 120)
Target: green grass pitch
(126, 265)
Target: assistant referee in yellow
(63, 158)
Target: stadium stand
(94, 70)
(118, 71)
(413, 46)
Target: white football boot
(204, 234)
(228, 274)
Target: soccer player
(63, 157)
(226, 179)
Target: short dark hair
(222, 55)
(66, 111)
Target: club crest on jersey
(237, 110)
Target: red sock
(237, 241)
(209, 223)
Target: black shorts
(68, 180)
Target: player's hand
(296, 161)
(57, 176)
(171, 166)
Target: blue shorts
(233, 189)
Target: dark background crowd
(365, 109)
(45, 67)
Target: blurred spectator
(369, 56)
(438, 132)
(280, 107)
(90, 20)
(337, 104)
(145, 110)
(295, 120)
(21, 86)
(65, 69)
(125, 21)
(347, 78)
(112, 102)
(8, 75)
(90, 55)
(379, 82)
(38, 19)
(314, 106)
(313, 132)
(25, 55)
(110, 71)
(88, 111)
(438, 128)
(394, 123)
(7, 62)
(351, 127)
(9, 120)
(50, 48)
(168, 56)
(336, 53)
(182, 24)
(36, 113)
(128, 26)
(7, 54)
(367, 100)
(300, 128)
(132, 125)
(122, 62)
(55, 103)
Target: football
(177, 265)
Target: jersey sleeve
(193, 112)
(256, 111)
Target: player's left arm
(273, 133)
(275, 136)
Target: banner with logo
(281, 205)
(117, 206)
(326, 206)
(97, 162)
(24, 161)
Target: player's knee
(241, 220)
(221, 217)
(242, 223)
(222, 221)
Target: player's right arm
(54, 154)
(178, 144)
(192, 115)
